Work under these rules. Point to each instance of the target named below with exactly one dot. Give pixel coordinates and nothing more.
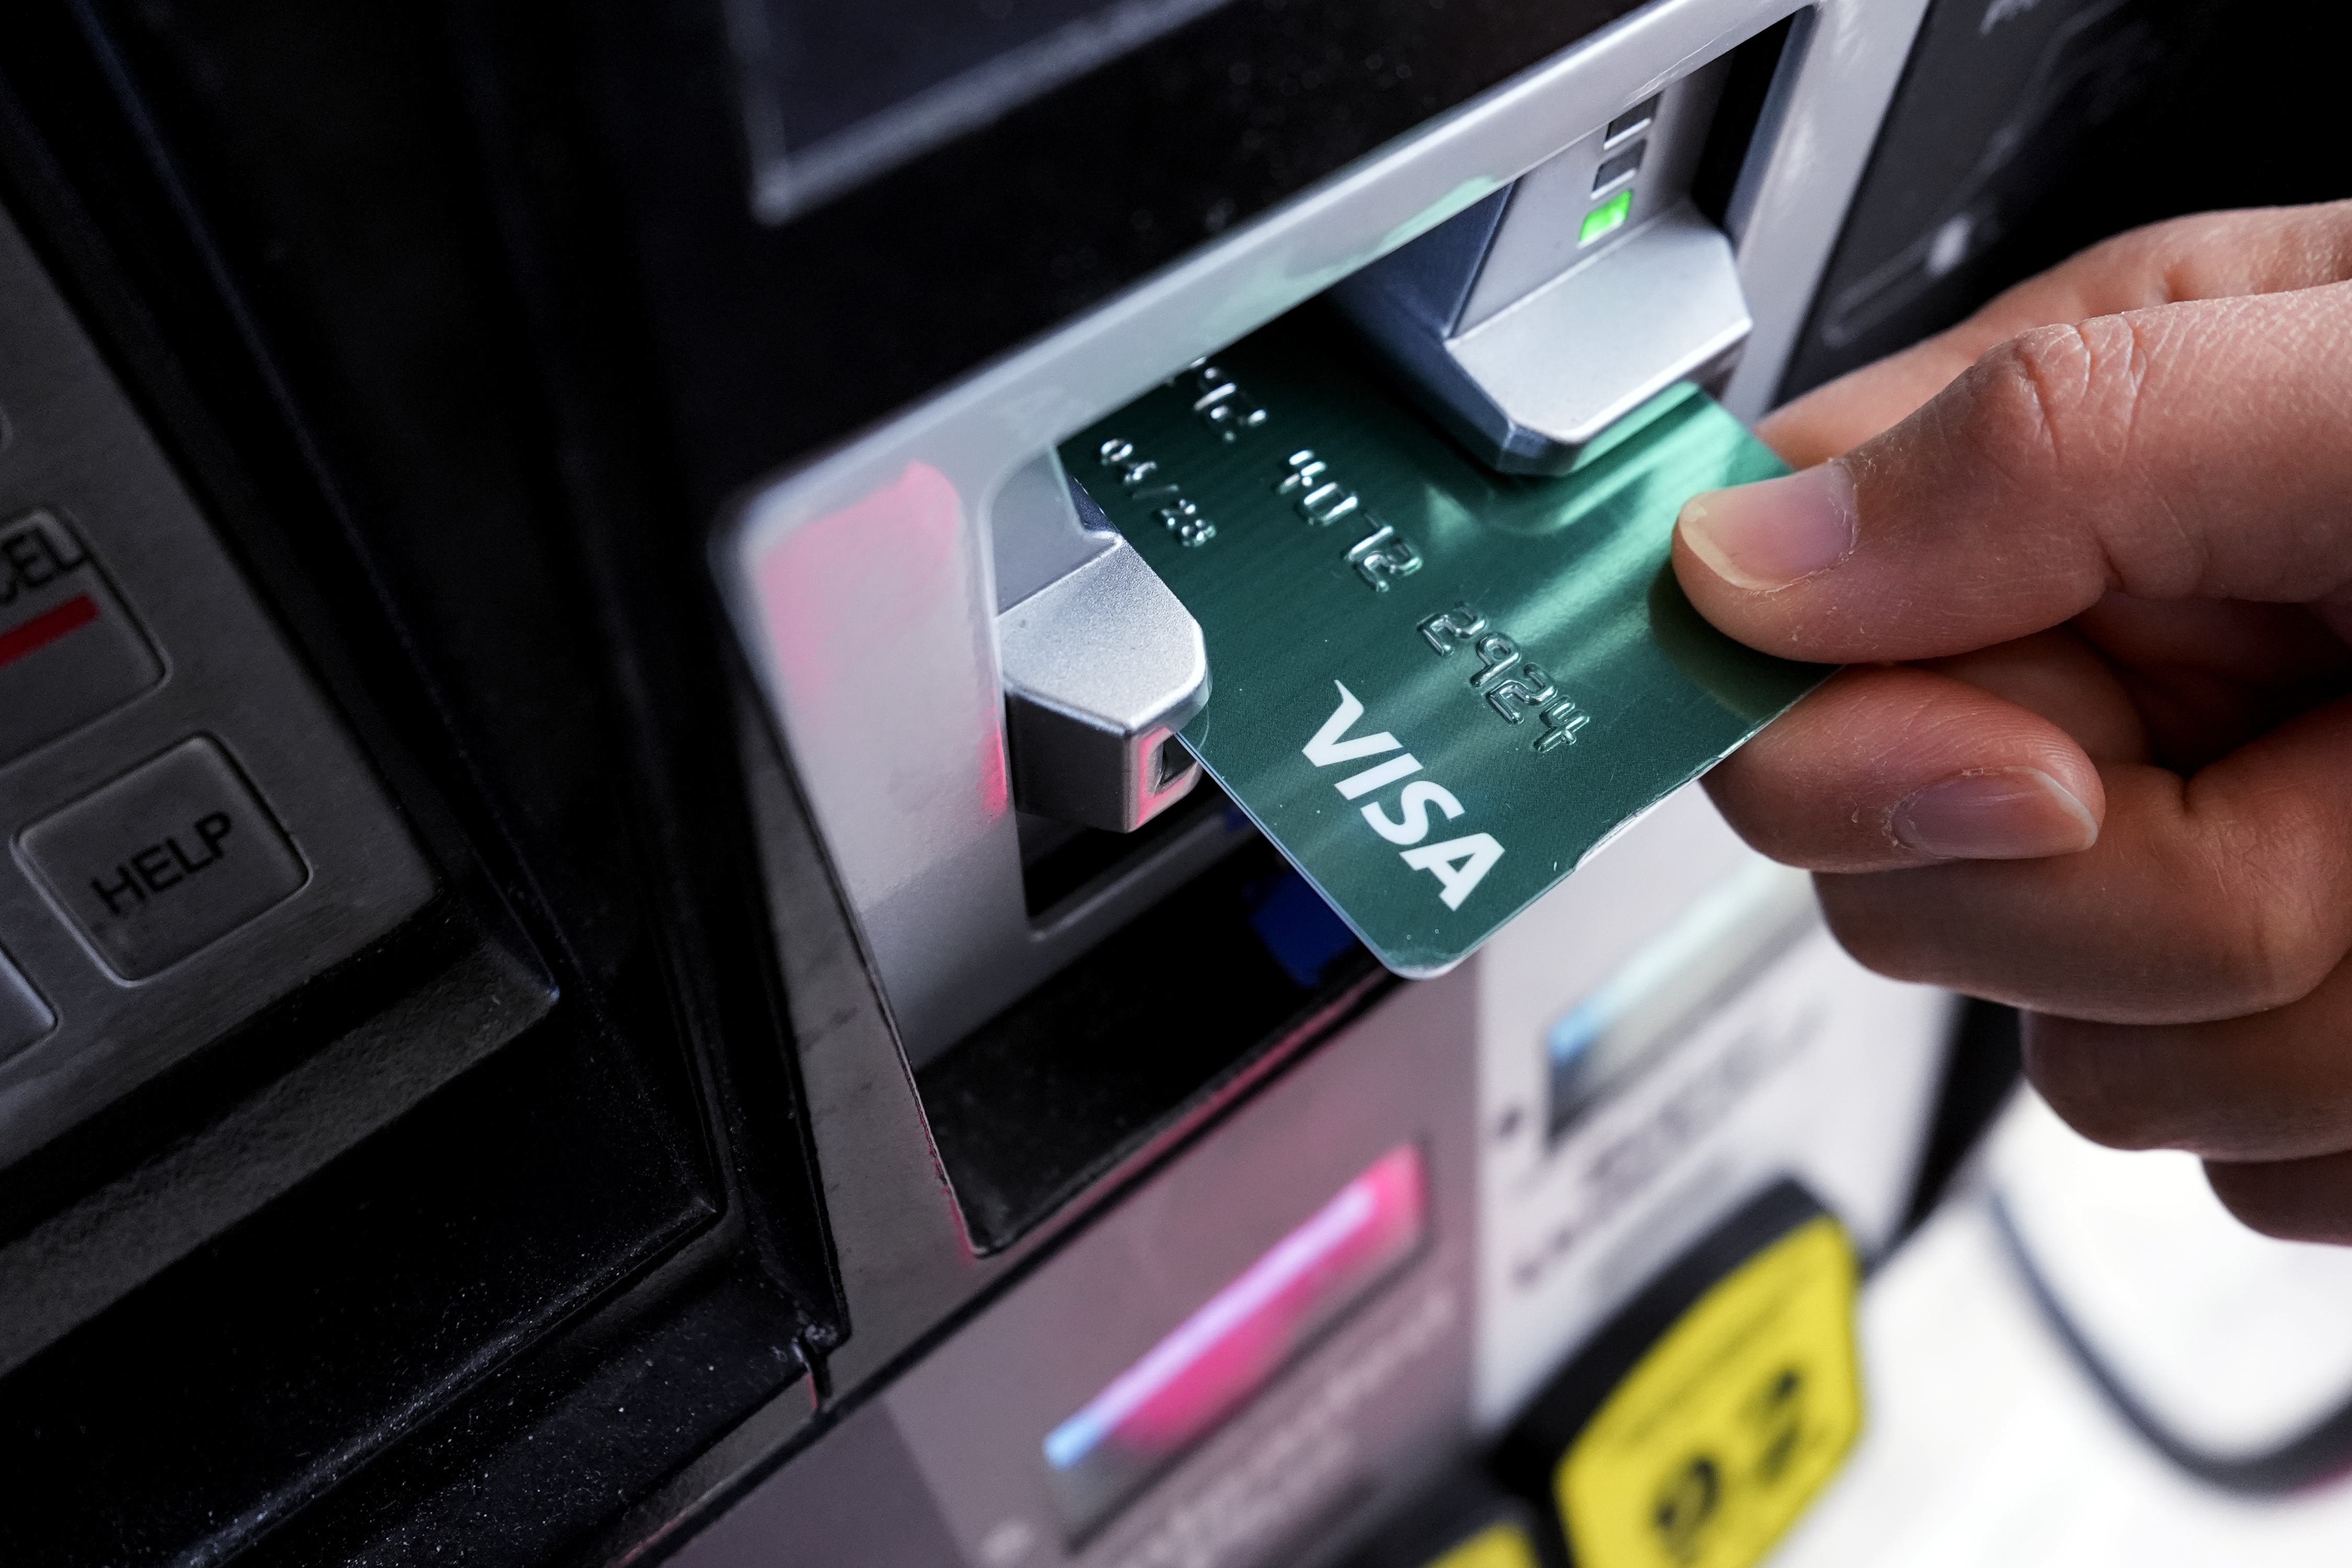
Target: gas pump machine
(615, 944)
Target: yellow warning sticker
(1725, 1428)
(1501, 1545)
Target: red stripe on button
(47, 627)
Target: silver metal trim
(1541, 236)
(1102, 666)
(1854, 55)
(1035, 535)
(1664, 306)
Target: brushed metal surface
(77, 447)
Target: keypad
(187, 830)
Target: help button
(168, 858)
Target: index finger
(2195, 449)
(2211, 256)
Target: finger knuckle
(2065, 395)
(2070, 415)
(2265, 948)
(2030, 389)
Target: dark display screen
(811, 288)
(833, 94)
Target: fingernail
(1769, 534)
(2001, 813)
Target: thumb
(2200, 449)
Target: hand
(2095, 758)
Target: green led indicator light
(1609, 215)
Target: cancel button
(168, 858)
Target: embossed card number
(1437, 688)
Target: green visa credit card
(1436, 687)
